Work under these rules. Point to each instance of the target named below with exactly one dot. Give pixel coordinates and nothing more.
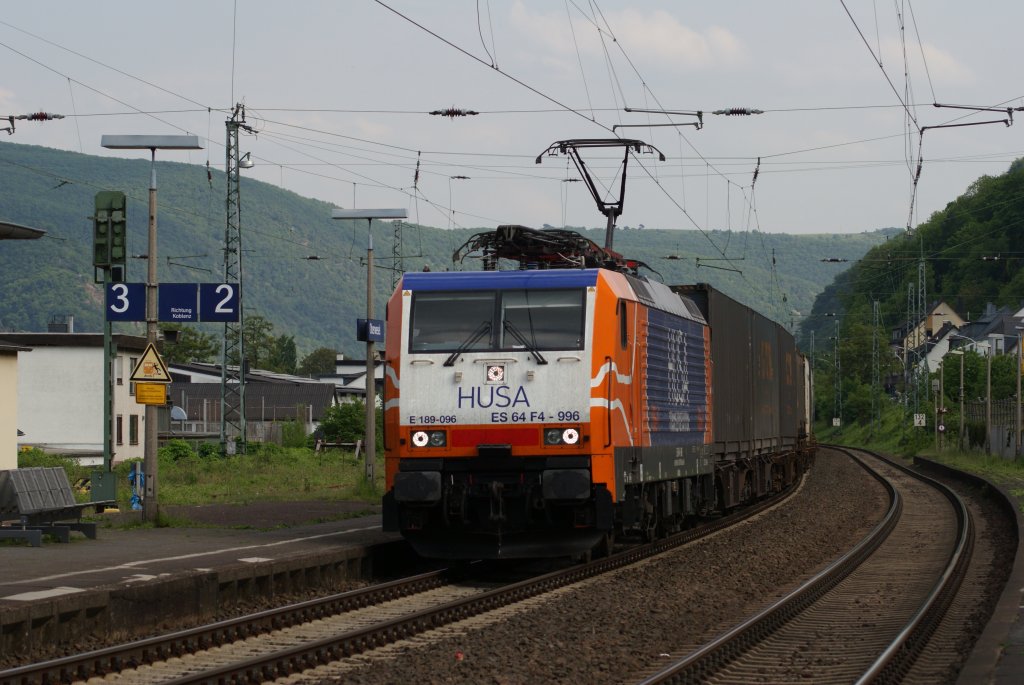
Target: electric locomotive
(538, 412)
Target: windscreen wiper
(483, 329)
(521, 339)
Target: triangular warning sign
(151, 368)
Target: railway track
(281, 642)
(866, 617)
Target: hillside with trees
(971, 256)
(304, 273)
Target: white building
(9, 355)
(60, 395)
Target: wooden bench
(323, 446)
(37, 501)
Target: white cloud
(943, 67)
(650, 37)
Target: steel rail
(147, 651)
(132, 654)
(696, 666)
(897, 658)
(290, 660)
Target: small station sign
(151, 393)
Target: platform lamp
(150, 505)
(370, 439)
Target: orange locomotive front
(533, 413)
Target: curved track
(867, 616)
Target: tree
(256, 333)
(191, 346)
(319, 362)
(344, 422)
(282, 354)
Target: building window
(119, 370)
(132, 361)
(133, 429)
(120, 430)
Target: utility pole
(397, 262)
(838, 389)
(908, 344)
(875, 371)
(232, 381)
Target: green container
(104, 486)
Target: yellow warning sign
(151, 393)
(151, 368)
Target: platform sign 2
(218, 302)
(126, 302)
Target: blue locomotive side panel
(676, 380)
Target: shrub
(293, 434)
(37, 457)
(344, 423)
(177, 450)
(208, 450)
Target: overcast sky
(339, 94)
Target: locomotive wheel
(605, 546)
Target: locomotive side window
(542, 319)
(623, 325)
(444, 321)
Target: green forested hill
(317, 300)
(971, 252)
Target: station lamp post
(150, 505)
(370, 439)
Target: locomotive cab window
(445, 321)
(497, 320)
(541, 319)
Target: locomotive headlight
(570, 436)
(430, 439)
(553, 436)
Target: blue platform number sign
(218, 302)
(370, 330)
(126, 302)
(177, 302)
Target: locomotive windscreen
(493, 320)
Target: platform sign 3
(218, 302)
(126, 302)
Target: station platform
(131, 578)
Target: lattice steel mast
(232, 378)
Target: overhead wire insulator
(39, 116)
(453, 112)
(738, 111)
(34, 116)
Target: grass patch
(268, 473)
(894, 435)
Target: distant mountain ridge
(303, 271)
